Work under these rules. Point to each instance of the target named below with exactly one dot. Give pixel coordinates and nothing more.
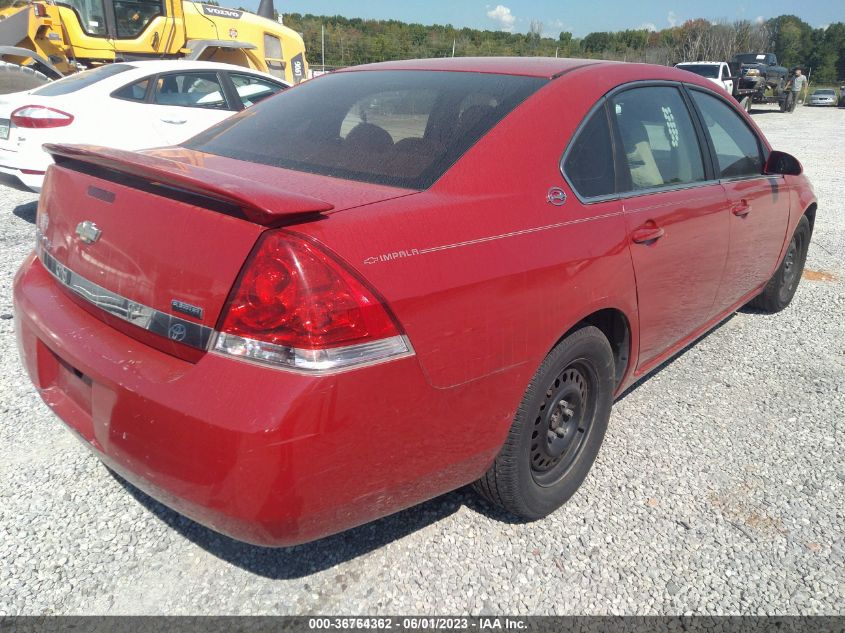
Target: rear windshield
(705, 70)
(398, 128)
(81, 80)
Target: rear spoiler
(259, 202)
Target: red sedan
(396, 280)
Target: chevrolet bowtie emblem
(88, 232)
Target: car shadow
(303, 560)
(654, 372)
(26, 211)
(755, 111)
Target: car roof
(697, 63)
(547, 67)
(165, 65)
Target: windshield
(825, 92)
(81, 80)
(711, 71)
(91, 15)
(399, 128)
(750, 58)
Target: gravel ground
(719, 489)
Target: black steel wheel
(781, 288)
(558, 429)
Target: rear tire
(16, 78)
(781, 288)
(558, 428)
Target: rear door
(674, 215)
(758, 204)
(186, 103)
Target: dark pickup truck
(758, 71)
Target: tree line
(350, 41)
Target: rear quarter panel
(483, 272)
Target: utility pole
(323, 45)
(453, 47)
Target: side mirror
(783, 164)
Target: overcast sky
(579, 17)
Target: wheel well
(614, 325)
(811, 215)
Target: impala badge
(88, 232)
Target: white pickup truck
(717, 72)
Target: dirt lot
(719, 489)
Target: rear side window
(737, 149)
(133, 92)
(81, 80)
(658, 137)
(589, 162)
(399, 128)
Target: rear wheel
(15, 78)
(558, 428)
(781, 288)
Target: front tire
(558, 428)
(781, 288)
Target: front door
(757, 213)
(674, 215)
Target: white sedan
(128, 105)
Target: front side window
(589, 162)
(394, 127)
(252, 89)
(737, 149)
(192, 90)
(658, 138)
(133, 16)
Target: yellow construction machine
(42, 40)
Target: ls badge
(88, 232)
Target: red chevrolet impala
(398, 279)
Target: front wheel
(558, 428)
(781, 288)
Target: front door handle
(741, 209)
(647, 234)
(174, 121)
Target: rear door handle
(647, 234)
(174, 121)
(741, 209)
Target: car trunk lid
(152, 244)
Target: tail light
(34, 116)
(40, 10)
(296, 306)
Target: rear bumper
(265, 456)
(28, 171)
